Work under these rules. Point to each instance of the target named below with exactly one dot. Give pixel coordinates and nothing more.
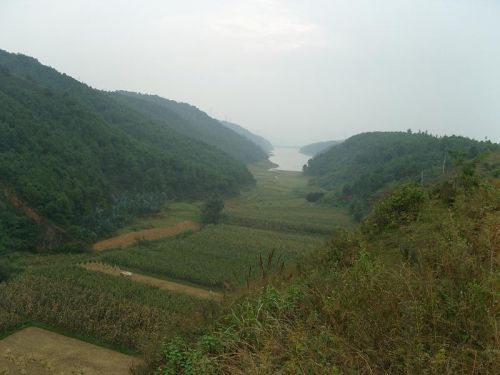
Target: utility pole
(444, 162)
(422, 178)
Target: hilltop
(314, 149)
(260, 141)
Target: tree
(211, 212)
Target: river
(288, 158)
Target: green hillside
(75, 164)
(260, 141)
(364, 165)
(192, 122)
(314, 149)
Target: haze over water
(288, 158)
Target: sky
(292, 71)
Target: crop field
(136, 313)
(41, 352)
(96, 306)
(214, 256)
(278, 203)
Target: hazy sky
(293, 71)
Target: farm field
(277, 202)
(265, 228)
(41, 352)
(211, 257)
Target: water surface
(288, 158)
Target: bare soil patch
(131, 238)
(38, 351)
(158, 283)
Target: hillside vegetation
(190, 121)
(75, 164)
(314, 149)
(413, 291)
(260, 141)
(359, 169)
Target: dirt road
(158, 283)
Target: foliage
(314, 196)
(87, 163)
(362, 167)
(189, 120)
(211, 211)
(419, 297)
(400, 207)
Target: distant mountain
(314, 149)
(76, 163)
(263, 143)
(192, 122)
(367, 164)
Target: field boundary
(153, 281)
(129, 239)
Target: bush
(314, 196)
(401, 207)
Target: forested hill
(365, 164)
(77, 162)
(314, 149)
(189, 120)
(260, 141)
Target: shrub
(314, 196)
(401, 207)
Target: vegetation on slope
(192, 122)
(363, 166)
(85, 163)
(314, 149)
(414, 291)
(260, 141)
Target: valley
(175, 282)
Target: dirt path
(158, 283)
(38, 351)
(129, 239)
